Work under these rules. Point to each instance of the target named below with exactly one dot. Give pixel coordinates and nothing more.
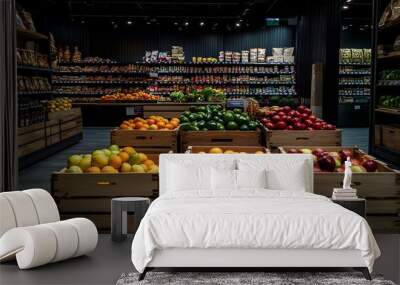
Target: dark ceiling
(183, 13)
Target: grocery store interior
(92, 92)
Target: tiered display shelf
(385, 132)
(237, 79)
(354, 94)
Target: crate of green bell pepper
(211, 125)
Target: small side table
(119, 214)
(357, 205)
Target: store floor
(39, 175)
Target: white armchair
(31, 231)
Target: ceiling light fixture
(345, 7)
(148, 23)
(129, 22)
(201, 24)
(237, 25)
(83, 21)
(348, 1)
(186, 23)
(175, 23)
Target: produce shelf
(391, 55)
(224, 83)
(178, 64)
(98, 83)
(131, 73)
(350, 74)
(392, 111)
(35, 93)
(354, 85)
(34, 69)
(355, 64)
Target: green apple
(358, 169)
(97, 152)
(306, 151)
(107, 152)
(337, 161)
(85, 163)
(74, 160)
(74, 169)
(113, 147)
(137, 169)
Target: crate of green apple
(373, 179)
(287, 126)
(212, 126)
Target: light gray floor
(103, 266)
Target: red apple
(292, 113)
(318, 152)
(301, 108)
(293, 150)
(370, 165)
(275, 118)
(308, 123)
(286, 109)
(317, 126)
(289, 128)
(270, 126)
(264, 121)
(344, 153)
(281, 113)
(312, 118)
(299, 126)
(281, 125)
(307, 111)
(327, 163)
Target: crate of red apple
(287, 126)
(373, 179)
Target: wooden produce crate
(276, 138)
(53, 133)
(147, 141)
(391, 136)
(89, 195)
(31, 139)
(216, 138)
(71, 123)
(246, 149)
(381, 189)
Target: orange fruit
(175, 119)
(139, 125)
(109, 169)
(143, 129)
(124, 156)
(151, 121)
(148, 162)
(128, 149)
(161, 125)
(146, 126)
(169, 126)
(153, 127)
(174, 123)
(115, 161)
(124, 127)
(93, 169)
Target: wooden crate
(65, 115)
(381, 189)
(246, 149)
(31, 147)
(378, 135)
(216, 138)
(89, 195)
(391, 136)
(31, 139)
(146, 141)
(53, 134)
(275, 138)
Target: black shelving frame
(379, 63)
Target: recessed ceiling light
(201, 24)
(175, 23)
(348, 1)
(148, 23)
(237, 25)
(83, 21)
(129, 22)
(345, 7)
(186, 23)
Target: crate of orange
(155, 134)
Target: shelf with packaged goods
(107, 83)
(35, 69)
(344, 85)
(394, 55)
(132, 73)
(222, 83)
(355, 64)
(35, 93)
(177, 64)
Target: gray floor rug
(243, 278)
